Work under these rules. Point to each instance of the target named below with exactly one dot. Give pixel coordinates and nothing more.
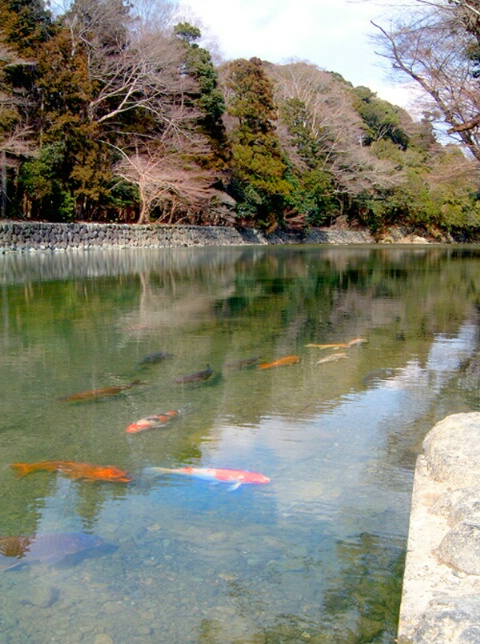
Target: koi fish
(194, 377)
(242, 364)
(75, 470)
(378, 375)
(153, 358)
(338, 345)
(333, 358)
(356, 342)
(236, 478)
(152, 422)
(280, 363)
(45, 548)
(103, 392)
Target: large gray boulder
(441, 585)
(452, 450)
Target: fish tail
(22, 469)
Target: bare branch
(433, 47)
(168, 179)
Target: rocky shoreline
(35, 236)
(441, 583)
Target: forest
(118, 111)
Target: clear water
(314, 556)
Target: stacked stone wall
(31, 237)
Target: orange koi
(75, 470)
(152, 422)
(103, 392)
(280, 363)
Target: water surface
(317, 554)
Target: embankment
(441, 586)
(31, 237)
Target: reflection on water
(316, 554)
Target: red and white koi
(152, 422)
(236, 478)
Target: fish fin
(235, 486)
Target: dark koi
(194, 377)
(103, 392)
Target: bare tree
(334, 126)
(133, 63)
(142, 101)
(168, 181)
(437, 46)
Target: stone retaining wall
(31, 237)
(441, 585)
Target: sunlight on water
(314, 555)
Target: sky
(332, 34)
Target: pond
(315, 554)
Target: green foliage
(187, 32)
(252, 101)
(209, 99)
(43, 188)
(298, 120)
(25, 24)
(313, 186)
(257, 167)
(381, 119)
(318, 197)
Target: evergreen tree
(258, 171)
(313, 196)
(381, 119)
(207, 98)
(25, 24)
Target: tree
(207, 97)
(324, 138)
(382, 120)
(258, 182)
(24, 25)
(169, 180)
(438, 46)
(106, 83)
